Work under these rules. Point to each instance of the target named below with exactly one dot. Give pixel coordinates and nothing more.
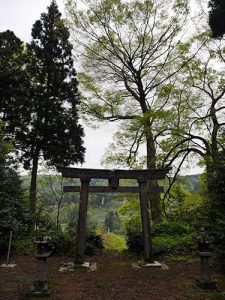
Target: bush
(24, 246)
(167, 237)
(171, 228)
(64, 242)
(173, 244)
(114, 242)
(93, 244)
(134, 241)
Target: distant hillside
(190, 183)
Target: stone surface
(139, 265)
(154, 264)
(93, 267)
(39, 289)
(165, 267)
(8, 265)
(136, 266)
(71, 266)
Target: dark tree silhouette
(217, 18)
(12, 205)
(13, 83)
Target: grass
(114, 242)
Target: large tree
(199, 126)
(53, 132)
(129, 51)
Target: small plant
(114, 242)
(94, 244)
(64, 242)
(171, 228)
(24, 246)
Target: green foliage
(65, 242)
(173, 244)
(168, 237)
(24, 246)
(53, 130)
(173, 238)
(14, 104)
(72, 218)
(170, 228)
(134, 238)
(93, 243)
(186, 202)
(216, 212)
(113, 242)
(12, 204)
(134, 242)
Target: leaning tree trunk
(33, 191)
(154, 196)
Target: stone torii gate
(113, 176)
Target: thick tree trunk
(33, 190)
(154, 197)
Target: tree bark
(153, 195)
(33, 190)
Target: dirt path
(115, 279)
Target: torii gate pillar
(82, 220)
(146, 229)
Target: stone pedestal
(40, 287)
(204, 253)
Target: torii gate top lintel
(82, 173)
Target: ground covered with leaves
(117, 277)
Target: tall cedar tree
(54, 132)
(217, 18)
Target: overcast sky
(19, 16)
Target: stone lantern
(204, 253)
(40, 287)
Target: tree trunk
(33, 191)
(154, 197)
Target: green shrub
(168, 237)
(134, 242)
(171, 228)
(173, 244)
(93, 244)
(134, 239)
(64, 242)
(24, 246)
(113, 242)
